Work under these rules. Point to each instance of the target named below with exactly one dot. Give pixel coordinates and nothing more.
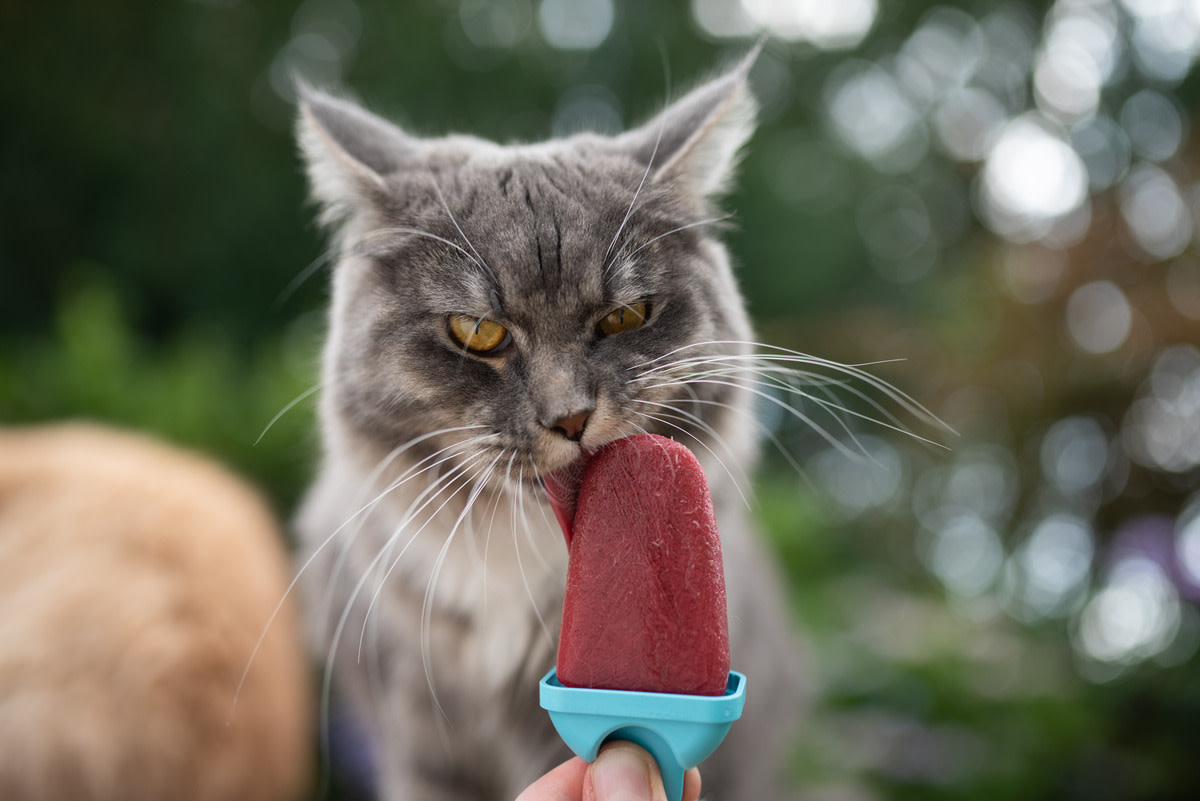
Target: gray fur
(436, 604)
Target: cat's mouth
(562, 488)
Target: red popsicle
(645, 598)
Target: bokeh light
(940, 56)
(1104, 148)
(1187, 545)
(324, 39)
(723, 18)
(982, 481)
(1162, 427)
(575, 24)
(967, 122)
(965, 554)
(860, 475)
(1154, 123)
(869, 111)
(1099, 317)
(1047, 575)
(829, 26)
(1166, 37)
(589, 107)
(1031, 180)
(1074, 454)
(1133, 617)
(496, 23)
(1155, 212)
(1079, 55)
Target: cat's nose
(572, 426)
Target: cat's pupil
(478, 335)
(623, 319)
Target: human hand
(622, 772)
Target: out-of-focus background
(1002, 196)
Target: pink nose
(572, 426)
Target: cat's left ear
(695, 142)
(347, 150)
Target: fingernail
(621, 773)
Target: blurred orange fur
(135, 580)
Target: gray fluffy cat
(496, 311)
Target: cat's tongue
(645, 599)
(562, 488)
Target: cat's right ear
(347, 150)
(695, 142)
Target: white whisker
(487, 540)
(745, 414)
(675, 413)
(321, 547)
(551, 525)
(636, 193)
(339, 629)
(308, 272)
(430, 462)
(427, 497)
(519, 505)
(785, 356)
(827, 406)
(431, 586)
(417, 232)
(479, 260)
(787, 408)
(291, 405)
(661, 419)
(697, 224)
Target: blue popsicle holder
(679, 731)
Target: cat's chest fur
(473, 581)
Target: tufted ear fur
(695, 142)
(347, 150)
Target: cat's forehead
(578, 175)
(548, 223)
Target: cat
(496, 311)
(135, 582)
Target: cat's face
(516, 305)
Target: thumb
(623, 772)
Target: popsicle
(644, 646)
(645, 599)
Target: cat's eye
(477, 334)
(625, 318)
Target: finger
(691, 785)
(626, 772)
(564, 783)
(623, 772)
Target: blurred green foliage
(918, 700)
(193, 389)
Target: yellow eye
(625, 318)
(477, 334)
